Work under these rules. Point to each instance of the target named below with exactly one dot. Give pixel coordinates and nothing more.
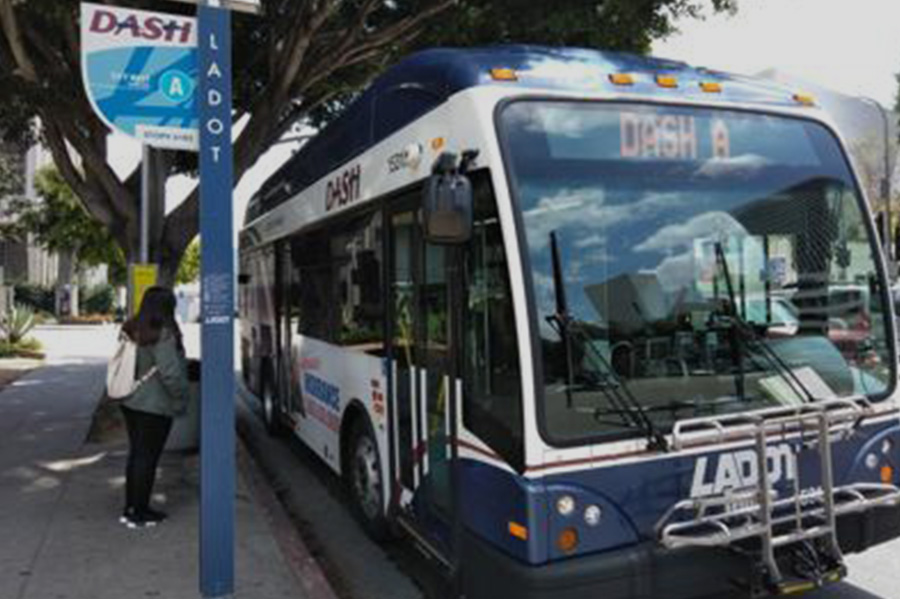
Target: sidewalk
(60, 499)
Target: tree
(189, 268)
(300, 61)
(11, 181)
(59, 223)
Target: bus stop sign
(139, 70)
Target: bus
(565, 318)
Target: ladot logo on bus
(740, 470)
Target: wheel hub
(367, 478)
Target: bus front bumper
(644, 571)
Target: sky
(850, 46)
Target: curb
(307, 572)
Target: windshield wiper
(748, 332)
(618, 394)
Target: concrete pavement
(60, 498)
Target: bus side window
(312, 290)
(492, 407)
(357, 267)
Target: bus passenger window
(493, 397)
(312, 293)
(357, 269)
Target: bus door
(287, 324)
(421, 353)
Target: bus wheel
(365, 481)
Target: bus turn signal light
(567, 540)
(887, 475)
(504, 75)
(518, 531)
(621, 79)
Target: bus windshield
(712, 261)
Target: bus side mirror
(447, 203)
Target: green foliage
(99, 300)
(36, 297)
(17, 322)
(30, 344)
(28, 347)
(189, 268)
(59, 223)
(11, 181)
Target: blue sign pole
(217, 459)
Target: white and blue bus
(584, 325)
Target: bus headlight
(592, 515)
(565, 505)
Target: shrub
(40, 298)
(29, 344)
(99, 300)
(26, 348)
(18, 322)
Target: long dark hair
(157, 313)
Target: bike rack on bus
(756, 512)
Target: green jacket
(166, 392)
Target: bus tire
(364, 478)
(270, 408)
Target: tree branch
(354, 53)
(120, 198)
(10, 24)
(56, 142)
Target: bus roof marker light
(621, 79)
(805, 99)
(668, 81)
(504, 75)
(711, 87)
(438, 143)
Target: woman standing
(150, 409)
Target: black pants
(147, 434)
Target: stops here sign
(140, 73)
